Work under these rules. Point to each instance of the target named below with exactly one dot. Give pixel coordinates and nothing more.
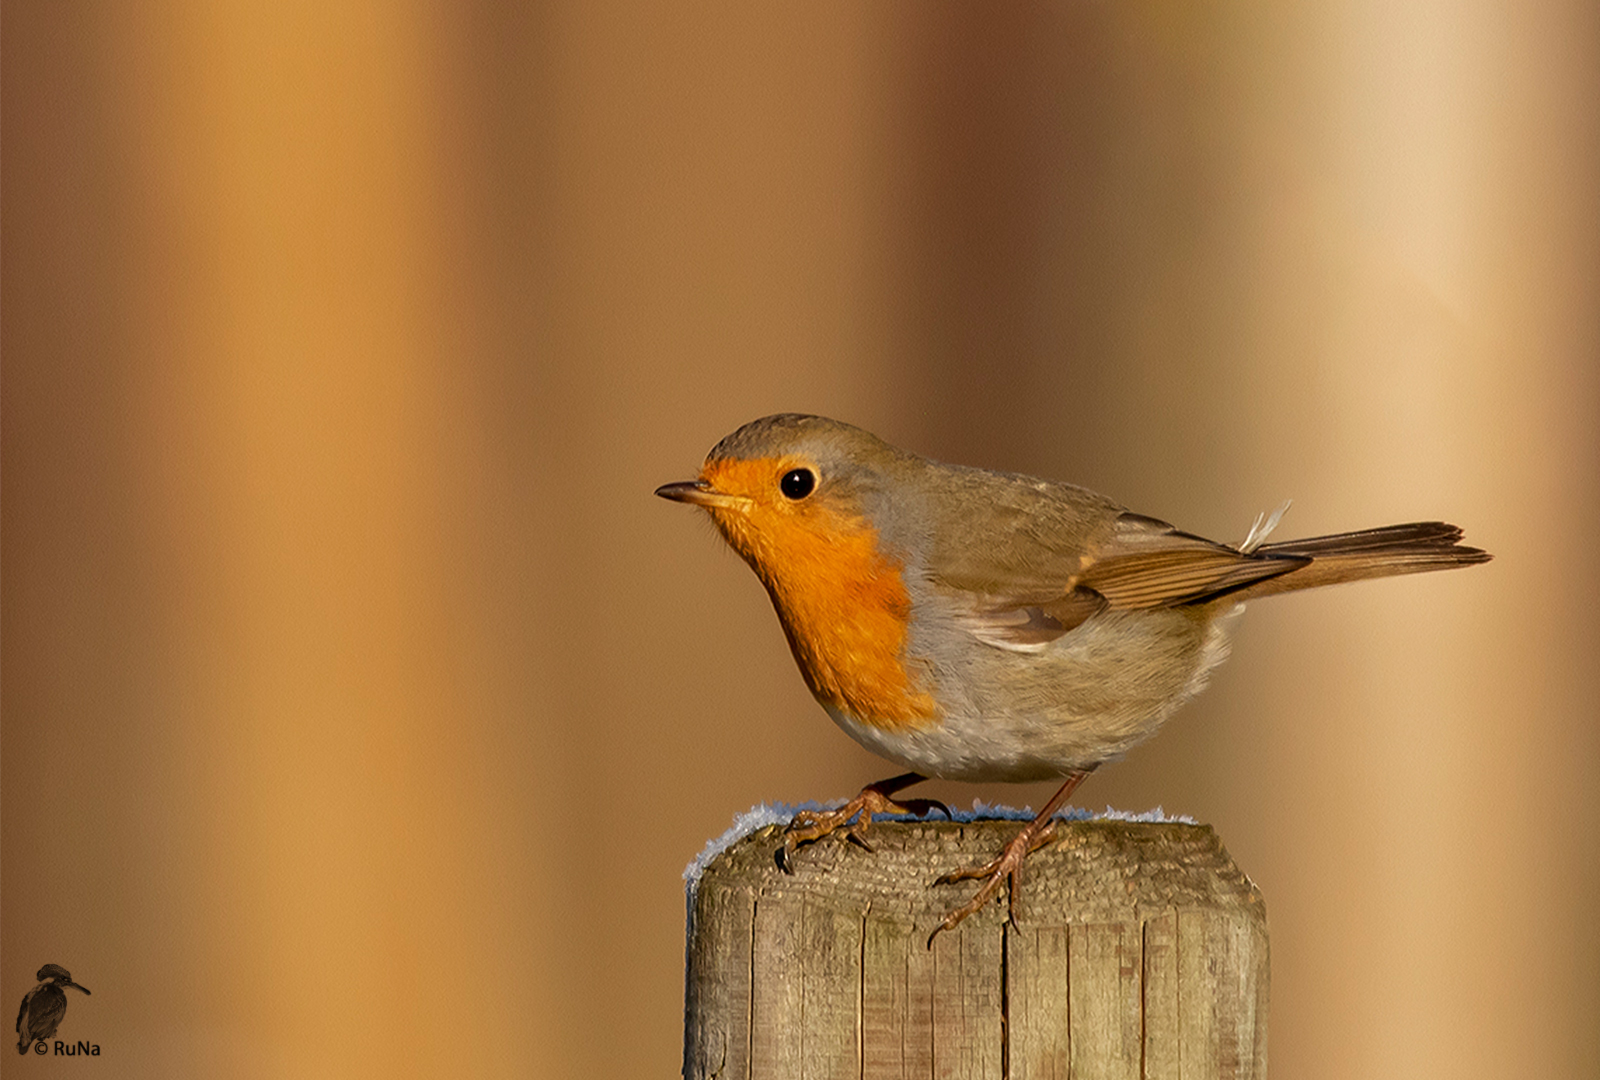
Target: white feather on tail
(1263, 527)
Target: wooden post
(1141, 952)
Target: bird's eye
(797, 483)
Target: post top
(1093, 871)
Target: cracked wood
(1141, 952)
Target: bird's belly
(1090, 696)
(959, 748)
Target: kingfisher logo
(42, 1010)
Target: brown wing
(1131, 561)
(1149, 564)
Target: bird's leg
(1005, 866)
(855, 816)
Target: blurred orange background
(362, 707)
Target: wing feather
(1137, 562)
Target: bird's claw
(920, 808)
(1001, 870)
(854, 818)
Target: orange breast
(843, 605)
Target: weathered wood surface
(1141, 952)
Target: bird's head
(785, 489)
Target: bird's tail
(1394, 549)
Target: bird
(975, 625)
(44, 1006)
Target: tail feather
(1416, 534)
(1369, 553)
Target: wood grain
(1140, 952)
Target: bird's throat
(845, 610)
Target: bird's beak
(701, 493)
(75, 986)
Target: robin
(977, 625)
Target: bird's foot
(1004, 867)
(1001, 870)
(854, 817)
